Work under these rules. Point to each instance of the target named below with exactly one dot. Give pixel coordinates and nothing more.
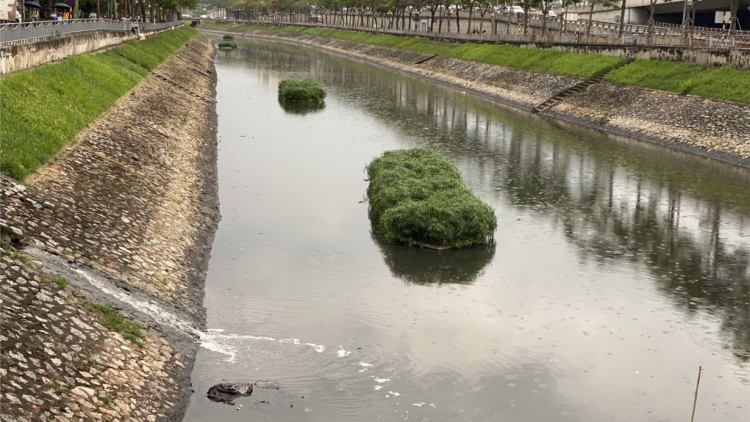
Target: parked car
(204, 16)
(513, 9)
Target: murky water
(619, 267)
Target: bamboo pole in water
(697, 384)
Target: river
(619, 267)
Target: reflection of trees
(681, 218)
(422, 266)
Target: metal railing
(558, 31)
(30, 32)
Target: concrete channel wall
(702, 126)
(126, 215)
(26, 56)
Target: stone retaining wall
(134, 199)
(25, 56)
(719, 129)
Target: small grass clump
(227, 45)
(306, 91)
(57, 385)
(417, 197)
(113, 320)
(45, 108)
(61, 283)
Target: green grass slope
(45, 108)
(725, 83)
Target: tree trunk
(525, 21)
(591, 16)
(733, 6)
(458, 23)
(471, 14)
(651, 23)
(622, 18)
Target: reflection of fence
(509, 28)
(29, 32)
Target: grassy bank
(417, 197)
(724, 83)
(568, 64)
(45, 108)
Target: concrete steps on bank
(562, 95)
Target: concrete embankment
(719, 129)
(131, 207)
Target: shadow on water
(302, 108)
(425, 267)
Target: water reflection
(301, 108)
(610, 280)
(684, 218)
(422, 266)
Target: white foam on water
(382, 380)
(343, 353)
(212, 339)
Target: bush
(305, 91)
(417, 197)
(228, 38)
(228, 44)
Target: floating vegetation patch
(306, 91)
(228, 38)
(417, 198)
(228, 45)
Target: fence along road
(31, 32)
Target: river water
(619, 268)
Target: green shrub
(228, 44)
(228, 38)
(417, 197)
(305, 91)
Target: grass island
(417, 198)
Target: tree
(651, 23)
(605, 3)
(526, 5)
(733, 6)
(622, 18)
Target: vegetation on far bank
(725, 83)
(45, 108)
(417, 197)
(306, 91)
(550, 61)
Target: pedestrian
(635, 38)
